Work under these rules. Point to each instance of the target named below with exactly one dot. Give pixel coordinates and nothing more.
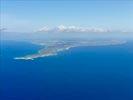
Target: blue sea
(82, 73)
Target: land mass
(51, 48)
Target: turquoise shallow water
(83, 73)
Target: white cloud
(61, 28)
(44, 29)
(74, 29)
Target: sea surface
(82, 73)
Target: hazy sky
(30, 15)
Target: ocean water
(82, 73)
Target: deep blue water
(83, 73)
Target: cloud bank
(2, 29)
(74, 29)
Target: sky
(32, 15)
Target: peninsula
(52, 48)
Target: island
(52, 48)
